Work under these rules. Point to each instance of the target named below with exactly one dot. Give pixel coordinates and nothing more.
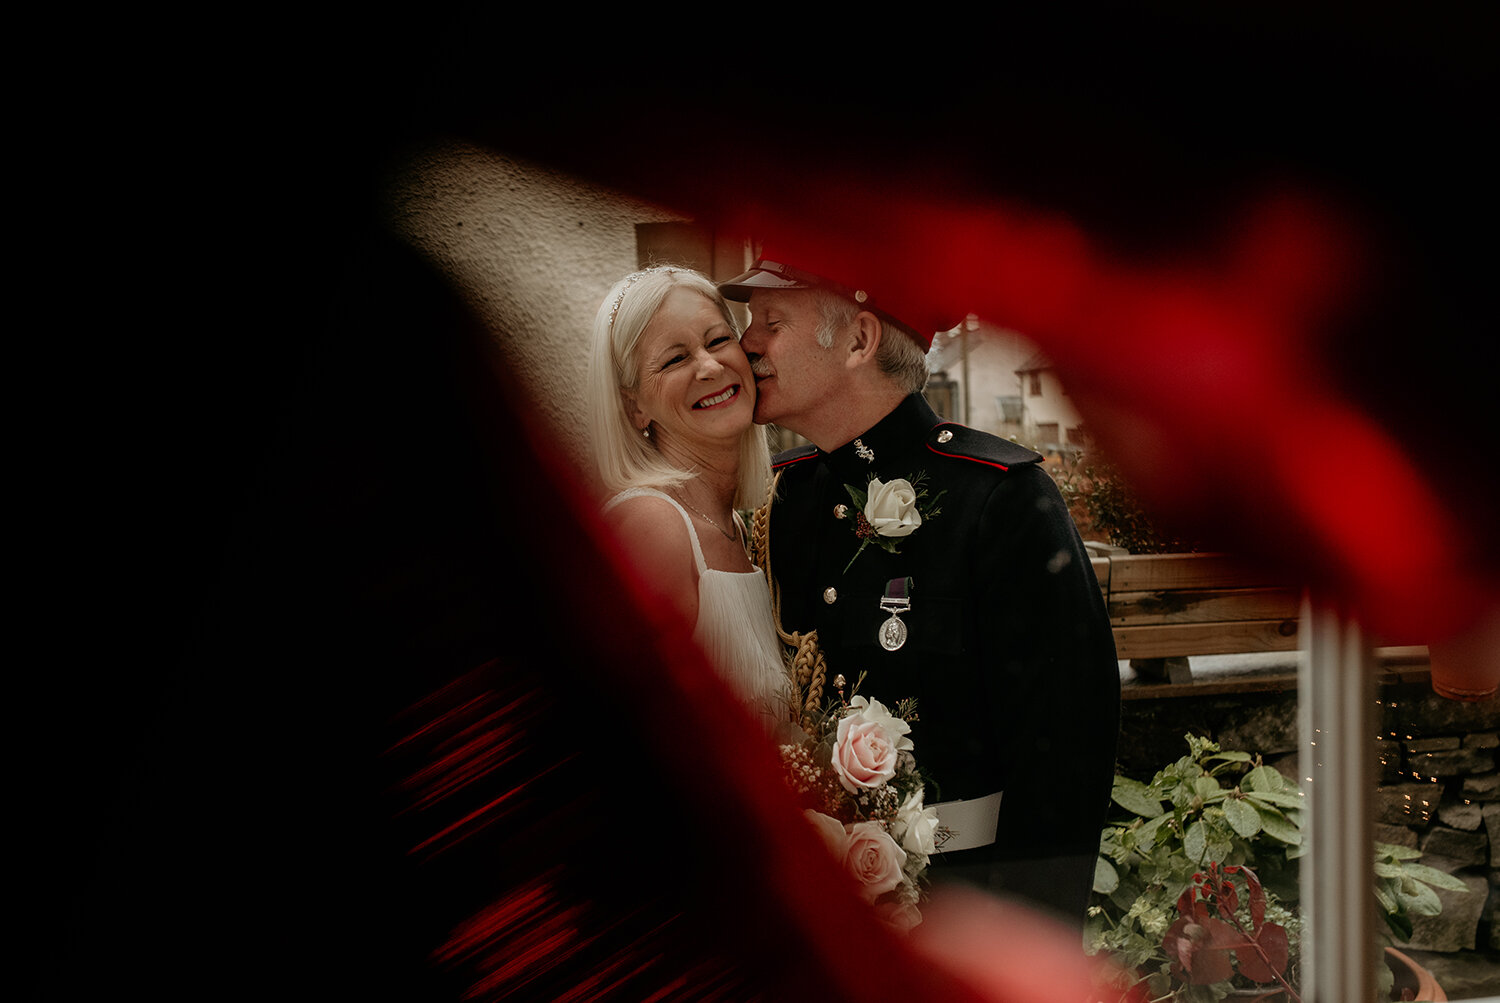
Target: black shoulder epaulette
(964, 443)
(789, 456)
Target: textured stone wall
(1438, 791)
(533, 252)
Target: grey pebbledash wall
(1438, 790)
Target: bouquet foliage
(859, 785)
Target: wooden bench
(1165, 607)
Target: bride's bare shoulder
(651, 515)
(656, 535)
(652, 533)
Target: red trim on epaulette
(794, 459)
(971, 459)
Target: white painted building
(997, 380)
(975, 380)
(1049, 419)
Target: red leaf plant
(1209, 928)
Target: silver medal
(892, 633)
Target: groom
(962, 583)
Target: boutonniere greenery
(887, 511)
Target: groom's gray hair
(900, 357)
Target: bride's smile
(693, 375)
(715, 400)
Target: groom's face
(796, 379)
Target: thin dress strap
(687, 519)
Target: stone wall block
(1484, 788)
(1390, 760)
(1465, 815)
(1464, 975)
(1450, 762)
(1407, 804)
(1442, 743)
(1482, 740)
(1492, 908)
(1413, 709)
(1266, 729)
(1491, 813)
(1461, 849)
(1396, 835)
(1456, 928)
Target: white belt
(963, 825)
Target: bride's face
(695, 385)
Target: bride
(672, 407)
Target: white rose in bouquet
(917, 826)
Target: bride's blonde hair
(626, 459)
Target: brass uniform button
(830, 595)
(944, 435)
(841, 511)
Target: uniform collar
(891, 441)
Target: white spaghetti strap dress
(734, 623)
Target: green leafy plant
(1195, 893)
(1404, 888)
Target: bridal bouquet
(860, 787)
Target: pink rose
(874, 859)
(867, 745)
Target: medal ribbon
(897, 593)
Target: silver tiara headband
(630, 280)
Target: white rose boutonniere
(888, 511)
(891, 507)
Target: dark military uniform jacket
(1008, 648)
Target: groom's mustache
(760, 367)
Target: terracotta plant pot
(1412, 977)
(1467, 665)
